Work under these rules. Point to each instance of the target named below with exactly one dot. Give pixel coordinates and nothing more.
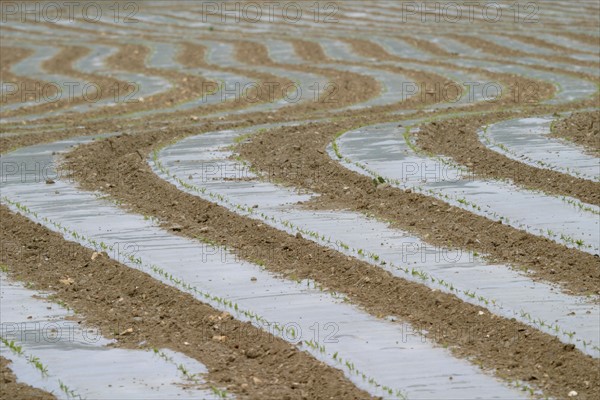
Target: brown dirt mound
(13, 390)
(582, 128)
(247, 361)
(457, 138)
(120, 171)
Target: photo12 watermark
(12, 253)
(72, 331)
(468, 12)
(269, 92)
(56, 12)
(287, 12)
(68, 91)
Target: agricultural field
(300, 200)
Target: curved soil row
(10, 56)
(44, 89)
(512, 349)
(62, 63)
(548, 45)
(247, 361)
(310, 51)
(589, 39)
(192, 55)
(495, 49)
(11, 389)
(428, 218)
(128, 58)
(582, 128)
(257, 365)
(351, 88)
(367, 48)
(457, 138)
(511, 82)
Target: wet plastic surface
(82, 359)
(31, 67)
(527, 140)
(207, 160)
(377, 348)
(383, 150)
(141, 86)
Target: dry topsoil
(511, 349)
(13, 390)
(112, 297)
(118, 166)
(281, 149)
(457, 138)
(582, 128)
(9, 56)
(61, 64)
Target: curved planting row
(528, 141)
(363, 344)
(204, 166)
(49, 350)
(85, 95)
(210, 179)
(388, 152)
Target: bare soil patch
(510, 348)
(12, 389)
(247, 361)
(582, 128)
(457, 138)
